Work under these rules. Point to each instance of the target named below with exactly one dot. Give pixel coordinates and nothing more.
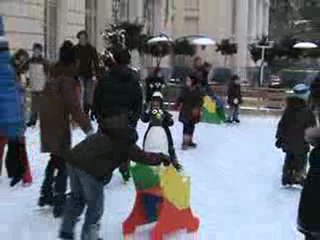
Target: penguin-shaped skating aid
(158, 137)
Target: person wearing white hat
(296, 118)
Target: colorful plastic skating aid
(163, 196)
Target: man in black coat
(119, 94)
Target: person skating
(189, 104)
(38, 71)
(234, 99)
(87, 63)
(309, 211)
(119, 92)
(17, 162)
(158, 137)
(58, 102)
(296, 118)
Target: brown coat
(59, 101)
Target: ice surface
(236, 189)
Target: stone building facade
(51, 21)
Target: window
(51, 29)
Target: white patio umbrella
(159, 39)
(203, 41)
(305, 45)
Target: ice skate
(45, 200)
(192, 145)
(59, 205)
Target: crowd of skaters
(113, 98)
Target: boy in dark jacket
(296, 118)
(234, 99)
(189, 103)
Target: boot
(27, 177)
(191, 143)
(59, 202)
(45, 200)
(185, 143)
(46, 195)
(91, 233)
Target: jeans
(86, 191)
(87, 91)
(234, 113)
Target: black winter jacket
(189, 100)
(296, 118)
(234, 92)
(119, 92)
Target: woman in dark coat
(189, 103)
(296, 118)
(309, 210)
(58, 102)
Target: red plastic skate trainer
(163, 198)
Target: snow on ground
(236, 192)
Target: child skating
(296, 118)
(158, 137)
(234, 99)
(189, 104)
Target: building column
(253, 20)
(242, 32)
(157, 11)
(62, 21)
(266, 11)
(260, 18)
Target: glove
(236, 101)
(177, 166)
(165, 159)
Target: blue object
(11, 121)
(151, 205)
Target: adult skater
(119, 92)
(59, 101)
(11, 117)
(296, 118)
(87, 63)
(309, 211)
